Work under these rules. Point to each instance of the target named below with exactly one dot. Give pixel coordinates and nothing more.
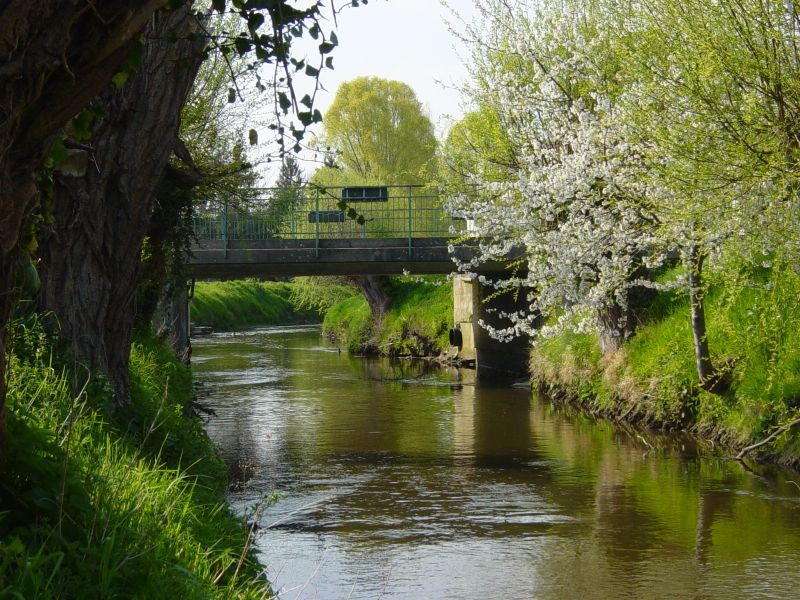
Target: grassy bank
(98, 503)
(230, 305)
(754, 334)
(417, 323)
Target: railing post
(225, 227)
(410, 221)
(316, 225)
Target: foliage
(228, 305)
(643, 132)
(113, 505)
(288, 195)
(416, 324)
(754, 330)
(477, 149)
(574, 200)
(378, 134)
(319, 293)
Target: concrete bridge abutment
(474, 302)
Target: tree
(573, 197)
(716, 100)
(288, 193)
(477, 149)
(55, 57)
(92, 253)
(379, 134)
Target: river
(395, 480)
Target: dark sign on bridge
(365, 194)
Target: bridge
(390, 230)
(368, 230)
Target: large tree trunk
(91, 254)
(54, 57)
(614, 326)
(709, 377)
(373, 288)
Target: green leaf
(329, 62)
(284, 102)
(242, 44)
(58, 152)
(231, 95)
(254, 21)
(326, 47)
(218, 5)
(253, 136)
(119, 79)
(306, 101)
(311, 71)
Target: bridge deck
(371, 256)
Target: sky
(405, 40)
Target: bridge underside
(288, 257)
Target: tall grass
(416, 324)
(99, 503)
(244, 303)
(754, 334)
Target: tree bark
(708, 376)
(373, 288)
(614, 327)
(54, 57)
(91, 254)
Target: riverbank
(98, 502)
(227, 305)
(754, 336)
(416, 324)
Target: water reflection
(401, 481)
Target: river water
(394, 480)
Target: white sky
(405, 40)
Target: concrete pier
(472, 303)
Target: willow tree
(378, 133)
(477, 149)
(54, 57)
(91, 252)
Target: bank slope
(417, 323)
(754, 335)
(98, 503)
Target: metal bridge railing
(312, 213)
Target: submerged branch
(768, 439)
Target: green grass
(417, 323)
(230, 305)
(99, 503)
(349, 325)
(754, 333)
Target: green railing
(313, 213)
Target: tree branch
(768, 439)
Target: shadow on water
(403, 480)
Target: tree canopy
(377, 132)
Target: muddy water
(396, 481)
